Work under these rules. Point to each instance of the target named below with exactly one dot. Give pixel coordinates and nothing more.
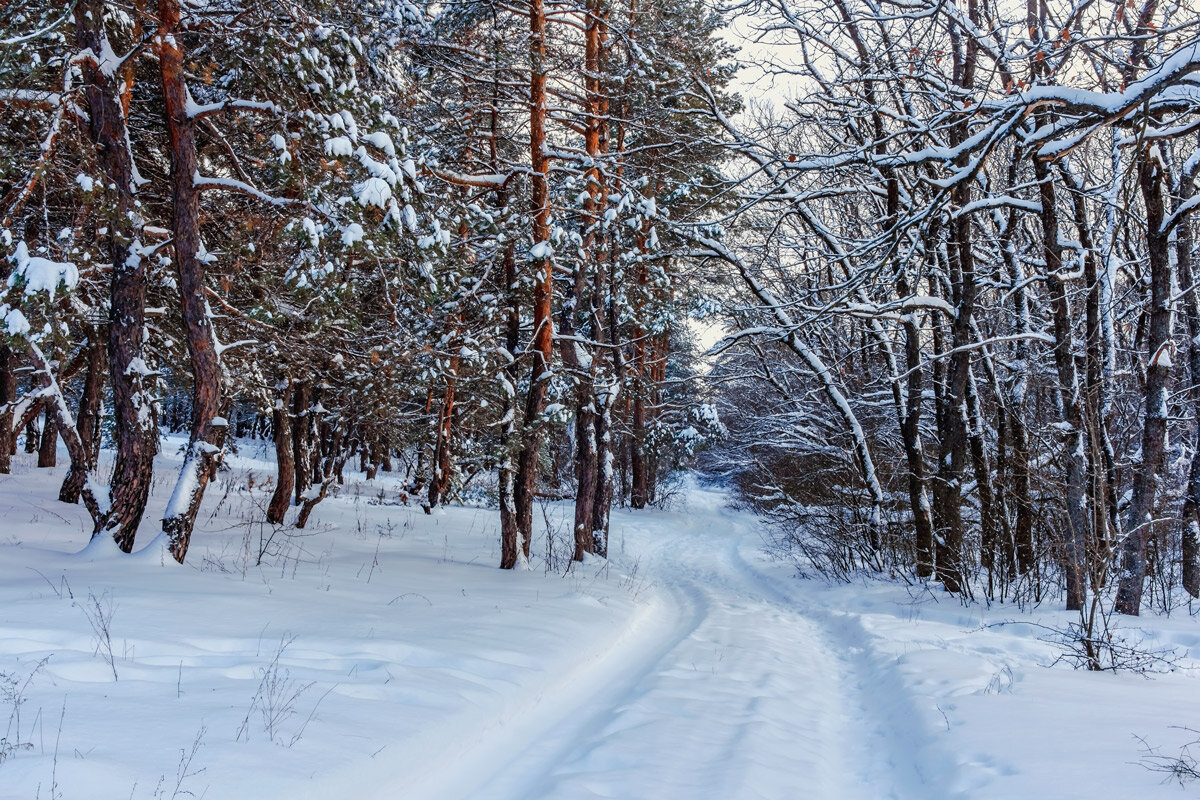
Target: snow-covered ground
(382, 655)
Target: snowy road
(727, 686)
(406, 666)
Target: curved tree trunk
(51, 399)
(135, 423)
(89, 417)
(208, 428)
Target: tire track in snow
(896, 752)
(522, 745)
(733, 687)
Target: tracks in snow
(727, 686)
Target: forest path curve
(730, 685)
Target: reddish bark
(541, 345)
(576, 312)
(135, 428)
(208, 429)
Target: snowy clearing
(382, 654)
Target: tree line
(966, 294)
(953, 261)
(433, 234)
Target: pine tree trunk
(91, 405)
(511, 546)
(208, 429)
(660, 353)
(605, 386)
(1024, 552)
(1190, 544)
(329, 468)
(603, 500)
(576, 313)
(135, 424)
(585, 472)
(541, 346)
(135, 418)
(1005, 550)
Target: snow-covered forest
(302, 293)
(435, 240)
